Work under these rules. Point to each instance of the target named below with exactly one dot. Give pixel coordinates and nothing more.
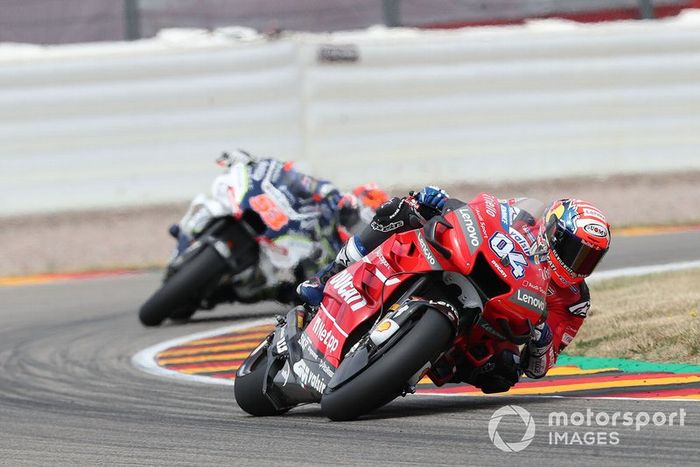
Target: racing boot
(311, 291)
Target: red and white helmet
(579, 236)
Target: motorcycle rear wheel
(184, 288)
(386, 378)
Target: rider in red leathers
(577, 235)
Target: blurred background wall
(65, 21)
(130, 123)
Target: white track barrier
(130, 123)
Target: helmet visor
(576, 255)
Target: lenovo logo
(530, 300)
(468, 223)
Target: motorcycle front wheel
(183, 290)
(248, 388)
(386, 378)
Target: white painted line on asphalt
(145, 359)
(642, 270)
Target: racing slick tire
(184, 288)
(248, 390)
(386, 378)
(183, 313)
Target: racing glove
(432, 196)
(328, 197)
(538, 355)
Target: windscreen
(526, 225)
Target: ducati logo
(342, 284)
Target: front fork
(282, 385)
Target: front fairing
(506, 259)
(201, 212)
(355, 298)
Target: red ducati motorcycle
(446, 301)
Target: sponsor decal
(545, 272)
(529, 233)
(304, 341)
(520, 240)
(467, 222)
(498, 268)
(530, 300)
(580, 309)
(342, 284)
(567, 338)
(325, 336)
(326, 368)
(429, 257)
(484, 232)
(491, 205)
(281, 345)
(593, 213)
(273, 216)
(386, 228)
(504, 248)
(307, 377)
(383, 331)
(505, 215)
(305, 344)
(597, 230)
(380, 257)
(554, 269)
(536, 287)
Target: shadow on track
(420, 406)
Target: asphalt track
(69, 395)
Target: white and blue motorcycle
(264, 228)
